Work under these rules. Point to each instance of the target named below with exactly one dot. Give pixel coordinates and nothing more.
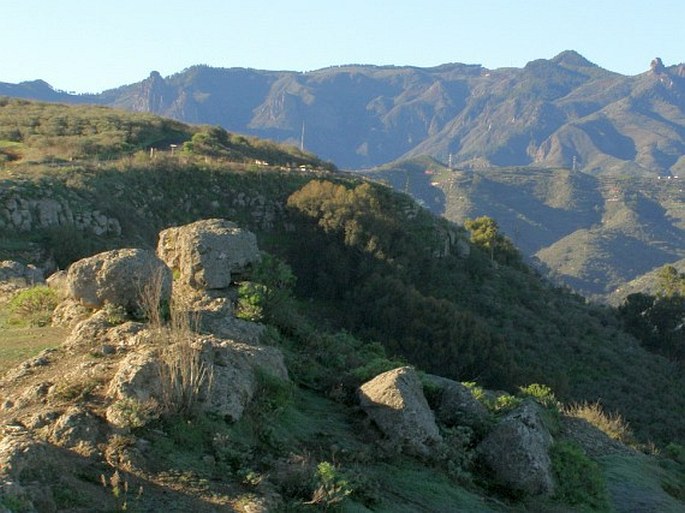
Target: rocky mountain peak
(657, 66)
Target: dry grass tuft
(612, 424)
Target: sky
(94, 45)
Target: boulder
(87, 333)
(120, 277)
(138, 377)
(236, 368)
(77, 429)
(516, 452)
(208, 254)
(456, 406)
(394, 400)
(24, 275)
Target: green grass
(632, 479)
(19, 344)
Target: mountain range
(580, 166)
(561, 112)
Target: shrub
(332, 487)
(579, 480)
(133, 413)
(268, 291)
(183, 374)
(33, 306)
(542, 394)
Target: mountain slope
(368, 261)
(551, 113)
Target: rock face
(456, 406)
(516, 451)
(395, 402)
(208, 254)
(119, 277)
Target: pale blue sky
(92, 45)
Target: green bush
(33, 307)
(332, 487)
(269, 290)
(579, 480)
(542, 394)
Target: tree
(486, 235)
(671, 282)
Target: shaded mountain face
(562, 112)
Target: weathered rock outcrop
(456, 406)
(236, 374)
(232, 373)
(213, 312)
(29, 213)
(394, 400)
(120, 277)
(516, 451)
(208, 254)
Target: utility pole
(302, 138)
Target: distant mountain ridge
(559, 112)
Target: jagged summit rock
(657, 66)
(208, 254)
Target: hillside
(551, 113)
(377, 282)
(594, 233)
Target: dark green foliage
(657, 322)
(578, 479)
(264, 298)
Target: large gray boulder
(208, 254)
(120, 277)
(394, 400)
(455, 405)
(516, 452)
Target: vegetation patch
(32, 306)
(578, 480)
